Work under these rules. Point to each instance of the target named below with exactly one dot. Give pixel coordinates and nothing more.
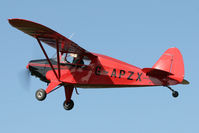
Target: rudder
(172, 61)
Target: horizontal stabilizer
(156, 72)
(185, 82)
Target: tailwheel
(40, 94)
(68, 105)
(175, 94)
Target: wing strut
(48, 58)
(58, 60)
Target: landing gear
(40, 94)
(175, 94)
(68, 105)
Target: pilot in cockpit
(72, 58)
(78, 60)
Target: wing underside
(48, 36)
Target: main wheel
(40, 94)
(68, 105)
(175, 94)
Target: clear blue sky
(137, 32)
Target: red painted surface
(52, 85)
(172, 61)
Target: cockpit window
(86, 61)
(72, 58)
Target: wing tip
(18, 21)
(12, 21)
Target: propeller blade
(25, 79)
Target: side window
(81, 60)
(72, 58)
(86, 61)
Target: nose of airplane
(37, 68)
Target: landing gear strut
(68, 103)
(175, 94)
(40, 94)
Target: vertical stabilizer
(172, 61)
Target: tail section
(172, 61)
(170, 64)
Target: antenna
(71, 35)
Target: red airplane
(76, 67)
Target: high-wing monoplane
(74, 67)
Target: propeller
(25, 79)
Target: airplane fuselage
(102, 72)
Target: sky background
(137, 32)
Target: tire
(40, 94)
(68, 105)
(175, 94)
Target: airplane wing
(49, 36)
